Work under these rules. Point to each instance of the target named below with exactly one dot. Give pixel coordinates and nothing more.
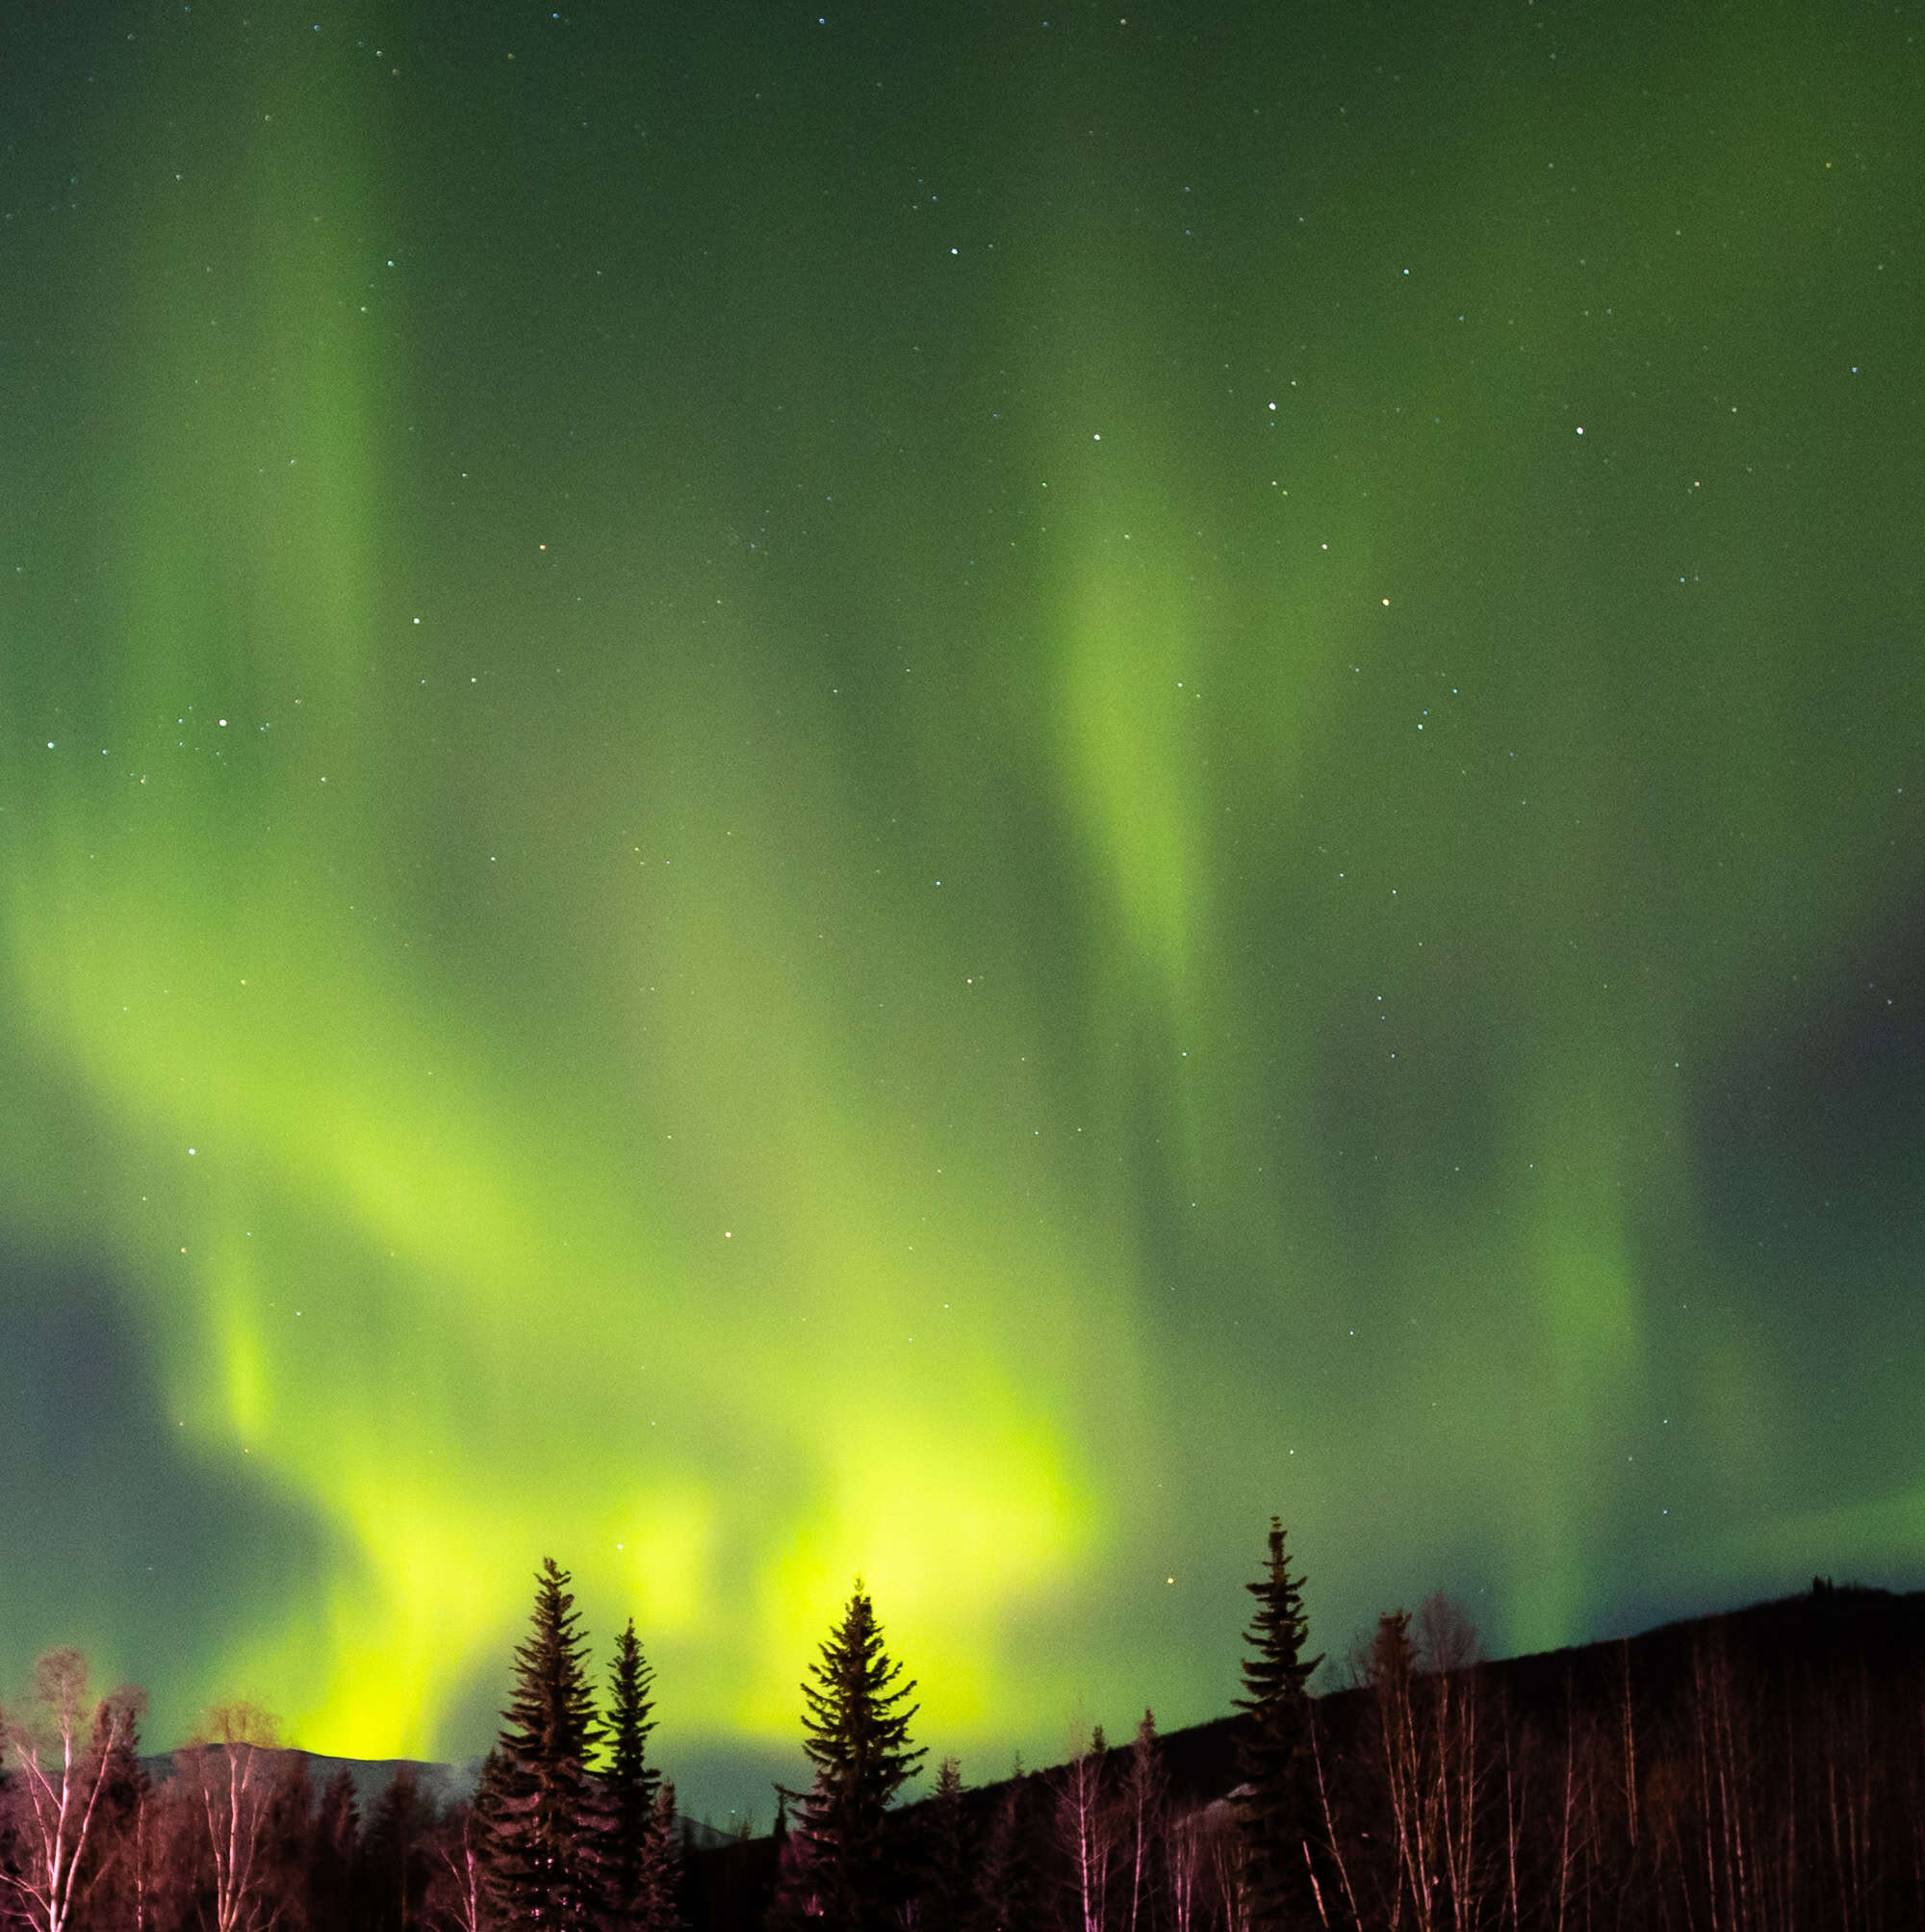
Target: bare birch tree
(232, 1776)
(1229, 1859)
(457, 1893)
(1185, 1858)
(64, 1751)
(1087, 1832)
(1448, 1652)
(1147, 1800)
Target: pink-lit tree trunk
(1184, 1868)
(232, 1776)
(1086, 1831)
(460, 1880)
(1330, 1830)
(62, 1770)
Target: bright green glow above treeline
(784, 798)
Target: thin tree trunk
(1630, 1731)
(1330, 1830)
(1564, 1847)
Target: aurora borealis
(951, 793)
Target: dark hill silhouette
(1876, 1635)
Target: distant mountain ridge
(371, 1776)
(445, 1783)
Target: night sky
(952, 792)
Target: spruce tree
(1273, 1755)
(658, 1895)
(1007, 1880)
(791, 1902)
(392, 1869)
(542, 1823)
(333, 1856)
(628, 1784)
(856, 1733)
(947, 1853)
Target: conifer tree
(856, 1733)
(791, 1903)
(656, 1900)
(392, 1869)
(1272, 1802)
(333, 1855)
(947, 1862)
(543, 1861)
(628, 1784)
(491, 1784)
(1006, 1872)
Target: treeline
(1742, 1786)
(1761, 1773)
(233, 1837)
(570, 1826)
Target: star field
(788, 794)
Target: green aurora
(786, 795)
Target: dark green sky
(952, 792)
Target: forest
(1761, 1769)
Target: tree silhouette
(628, 1784)
(946, 1848)
(856, 1733)
(543, 1869)
(1271, 1801)
(658, 1873)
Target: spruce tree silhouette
(628, 1784)
(856, 1733)
(543, 1869)
(1271, 1801)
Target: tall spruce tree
(544, 1857)
(856, 1733)
(628, 1784)
(1272, 1806)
